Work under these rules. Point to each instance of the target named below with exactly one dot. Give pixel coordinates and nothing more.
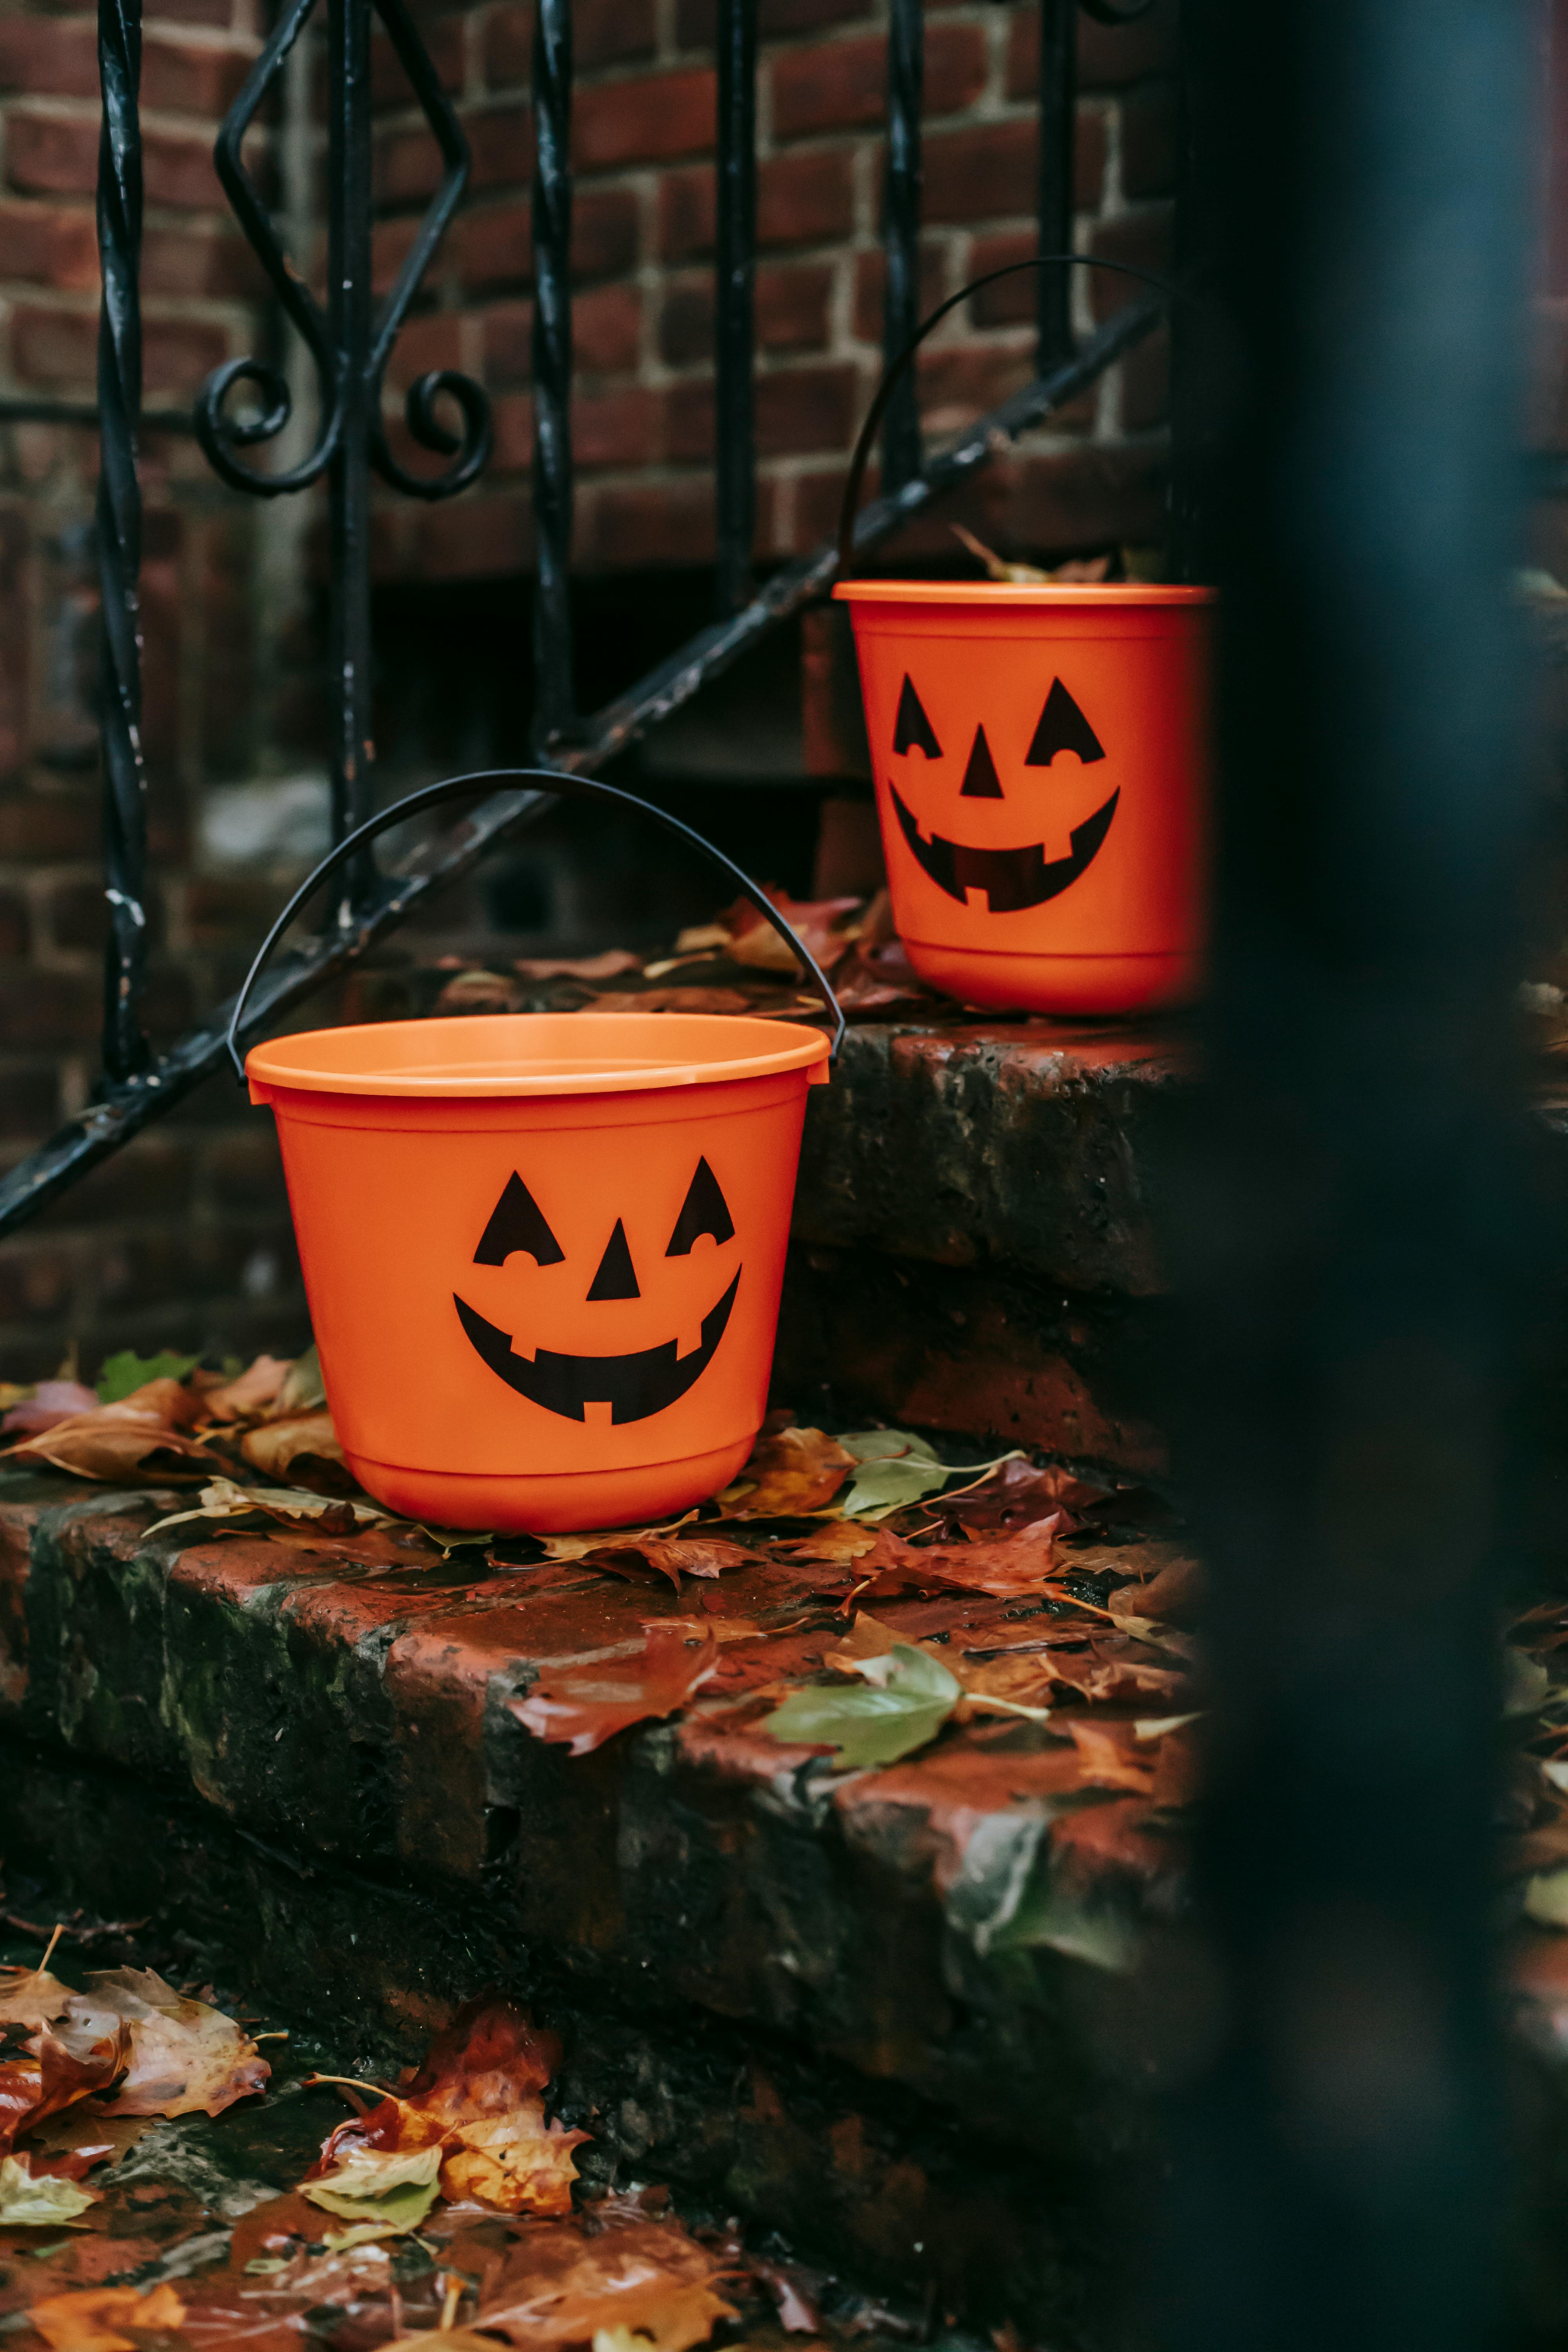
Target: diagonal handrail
(127, 1106)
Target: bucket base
(1079, 984)
(550, 1503)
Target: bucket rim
(1046, 593)
(691, 1052)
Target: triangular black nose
(981, 781)
(616, 1277)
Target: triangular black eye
(981, 781)
(912, 727)
(616, 1277)
(1062, 727)
(703, 1212)
(517, 1222)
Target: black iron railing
(350, 342)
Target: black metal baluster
(1057, 151)
(734, 270)
(348, 471)
(125, 1050)
(901, 234)
(555, 696)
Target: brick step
(835, 2001)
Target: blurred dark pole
(1352, 1229)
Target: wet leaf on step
(1008, 1569)
(301, 1447)
(289, 1507)
(95, 2318)
(897, 1469)
(477, 2101)
(31, 1997)
(123, 1374)
(377, 2189)
(185, 2057)
(1012, 1495)
(792, 1472)
(585, 1703)
(561, 2284)
(29, 2203)
(51, 2071)
(873, 1723)
(670, 1556)
(140, 1440)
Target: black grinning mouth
(633, 1386)
(1012, 880)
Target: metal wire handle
(569, 787)
(874, 414)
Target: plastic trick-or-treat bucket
(542, 1251)
(1041, 764)
(1041, 760)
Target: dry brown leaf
(671, 1556)
(585, 1703)
(642, 2279)
(792, 1472)
(301, 1448)
(139, 1439)
(94, 2318)
(1011, 1567)
(478, 2096)
(183, 2057)
(610, 965)
(31, 1997)
(257, 1388)
(838, 1542)
(50, 1402)
(1108, 1756)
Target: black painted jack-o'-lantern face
(634, 1385)
(1010, 879)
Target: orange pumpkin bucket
(542, 1251)
(1041, 760)
(1041, 763)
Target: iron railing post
(119, 525)
(734, 271)
(901, 235)
(1354, 1234)
(348, 471)
(555, 695)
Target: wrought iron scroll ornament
(222, 436)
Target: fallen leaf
(185, 2058)
(255, 1391)
(897, 1470)
(1014, 1495)
(303, 1443)
(837, 1541)
(1176, 1590)
(792, 1472)
(587, 1703)
(290, 1506)
(875, 1723)
(138, 1438)
(1107, 1758)
(29, 2203)
(53, 2071)
(672, 1556)
(477, 2101)
(92, 2319)
(48, 1402)
(1006, 1570)
(378, 2189)
(124, 1374)
(303, 1389)
(478, 991)
(610, 965)
(561, 2286)
(31, 1997)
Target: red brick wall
(643, 139)
(185, 1240)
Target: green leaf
(384, 2191)
(873, 1723)
(123, 1374)
(898, 1469)
(44, 2203)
